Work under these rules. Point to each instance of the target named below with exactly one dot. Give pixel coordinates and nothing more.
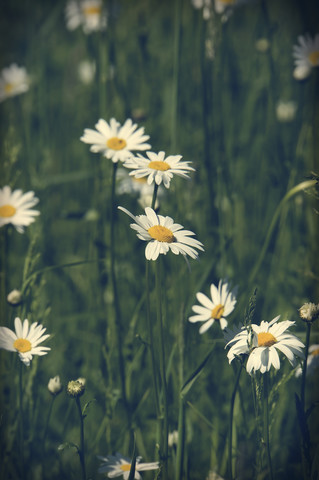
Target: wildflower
(88, 13)
(157, 168)
(261, 343)
(14, 297)
(306, 56)
(14, 80)
(173, 438)
(162, 235)
(312, 362)
(15, 208)
(75, 388)
(216, 308)
(117, 465)
(309, 312)
(286, 111)
(25, 340)
(86, 71)
(115, 141)
(55, 386)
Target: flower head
(88, 13)
(25, 340)
(216, 308)
(14, 297)
(14, 80)
(306, 56)
(309, 312)
(16, 208)
(115, 141)
(75, 388)
(312, 362)
(55, 386)
(157, 168)
(162, 235)
(117, 465)
(261, 343)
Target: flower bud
(14, 297)
(55, 386)
(309, 312)
(75, 388)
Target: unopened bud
(75, 388)
(55, 386)
(309, 312)
(14, 297)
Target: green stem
(304, 368)
(181, 407)
(162, 369)
(21, 421)
(154, 195)
(81, 449)
(231, 418)
(177, 35)
(266, 423)
(47, 422)
(3, 274)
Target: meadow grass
(204, 90)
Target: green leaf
(189, 382)
(132, 470)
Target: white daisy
(25, 340)
(261, 344)
(115, 141)
(16, 208)
(216, 308)
(88, 13)
(306, 55)
(157, 168)
(162, 235)
(14, 80)
(312, 361)
(117, 465)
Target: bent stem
(81, 449)
(231, 418)
(266, 423)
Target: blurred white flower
(55, 385)
(222, 5)
(15, 208)
(91, 215)
(262, 45)
(115, 141)
(14, 297)
(306, 55)
(312, 362)
(216, 308)
(25, 340)
(86, 71)
(119, 466)
(86, 13)
(14, 80)
(286, 111)
(81, 380)
(172, 438)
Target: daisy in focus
(117, 466)
(162, 235)
(16, 208)
(25, 340)
(261, 343)
(14, 80)
(216, 308)
(115, 141)
(157, 168)
(88, 13)
(312, 362)
(306, 56)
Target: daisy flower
(117, 465)
(261, 343)
(312, 361)
(162, 235)
(14, 80)
(16, 208)
(306, 55)
(115, 141)
(88, 13)
(157, 168)
(25, 340)
(216, 308)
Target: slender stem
(304, 368)
(21, 421)
(81, 449)
(47, 422)
(231, 418)
(266, 423)
(3, 274)
(177, 35)
(181, 407)
(154, 195)
(162, 368)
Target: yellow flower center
(217, 312)
(313, 58)
(315, 352)
(161, 234)
(8, 87)
(7, 211)
(22, 345)
(92, 10)
(159, 165)
(266, 339)
(116, 143)
(126, 467)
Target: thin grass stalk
(3, 274)
(181, 406)
(47, 422)
(177, 35)
(266, 423)
(164, 443)
(306, 460)
(231, 419)
(81, 449)
(21, 421)
(304, 368)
